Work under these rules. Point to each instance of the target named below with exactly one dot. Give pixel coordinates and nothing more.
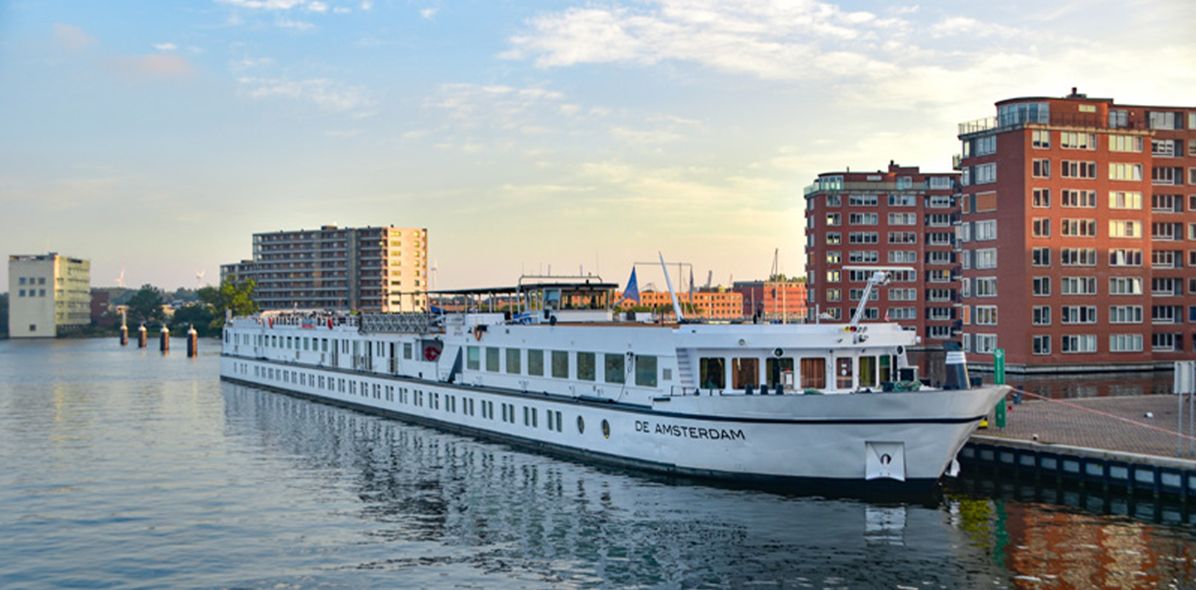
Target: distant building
(101, 303)
(783, 299)
(900, 217)
(366, 269)
(710, 304)
(1078, 234)
(48, 294)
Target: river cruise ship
(562, 370)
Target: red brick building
(899, 217)
(1078, 234)
(780, 300)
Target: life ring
(477, 332)
(431, 353)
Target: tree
(146, 305)
(237, 297)
(196, 314)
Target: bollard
(164, 339)
(192, 342)
(124, 335)
(142, 337)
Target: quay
(1132, 445)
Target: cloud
(158, 65)
(504, 107)
(367, 4)
(264, 4)
(294, 25)
(323, 93)
(428, 13)
(72, 37)
(317, 7)
(165, 46)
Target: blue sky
(157, 136)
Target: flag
(632, 291)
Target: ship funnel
(957, 367)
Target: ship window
(867, 371)
(613, 368)
(473, 358)
(779, 371)
(407, 351)
(745, 372)
(645, 371)
(535, 362)
(585, 366)
(843, 373)
(492, 359)
(813, 373)
(886, 368)
(514, 356)
(712, 372)
(560, 364)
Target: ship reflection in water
(500, 511)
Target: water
(124, 468)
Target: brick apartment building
(774, 300)
(366, 269)
(708, 304)
(1078, 234)
(897, 217)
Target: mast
(669, 282)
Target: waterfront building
(900, 217)
(707, 304)
(366, 269)
(48, 294)
(781, 299)
(1078, 234)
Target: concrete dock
(1107, 441)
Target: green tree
(237, 297)
(146, 306)
(196, 314)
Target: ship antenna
(669, 282)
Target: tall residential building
(780, 299)
(366, 269)
(47, 294)
(899, 217)
(1078, 234)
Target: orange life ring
(431, 353)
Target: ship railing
(401, 323)
(692, 391)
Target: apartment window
(586, 366)
(834, 200)
(1040, 139)
(986, 230)
(1124, 229)
(986, 258)
(985, 343)
(834, 295)
(1125, 343)
(1041, 198)
(1078, 257)
(1041, 286)
(1079, 343)
(1125, 285)
(1041, 345)
(1119, 171)
(1075, 140)
(863, 237)
(986, 173)
(1161, 342)
(1125, 257)
(903, 219)
(1040, 227)
(902, 201)
(834, 276)
(902, 294)
(1075, 169)
(984, 145)
(1159, 120)
(903, 237)
(1078, 199)
(833, 219)
(902, 256)
(863, 219)
(939, 257)
(1167, 203)
(560, 364)
(492, 359)
(833, 239)
(1084, 228)
(1079, 314)
(986, 286)
(1125, 143)
(986, 315)
(1040, 257)
(1166, 258)
(834, 257)
(1041, 169)
(939, 201)
(1041, 315)
(1125, 314)
(1166, 175)
(1079, 285)
(902, 313)
(863, 256)
(1125, 200)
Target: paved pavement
(1062, 422)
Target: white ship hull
(903, 440)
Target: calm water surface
(124, 468)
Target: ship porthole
(581, 425)
(605, 429)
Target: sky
(157, 137)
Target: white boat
(814, 406)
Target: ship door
(884, 460)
